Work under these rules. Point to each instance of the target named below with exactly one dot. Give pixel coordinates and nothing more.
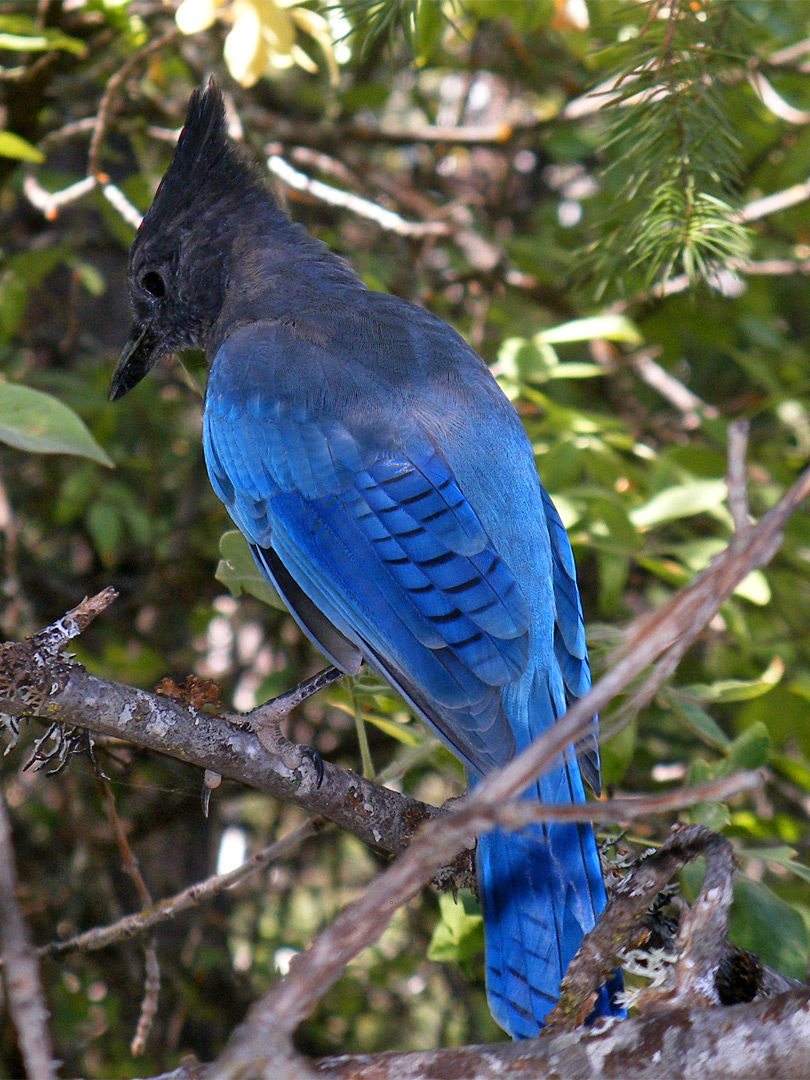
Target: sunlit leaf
(31, 420)
(320, 31)
(246, 52)
(13, 146)
(404, 733)
(458, 936)
(725, 690)
(684, 500)
(605, 327)
(44, 40)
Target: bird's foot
(265, 721)
(265, 724)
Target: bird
(389, 492)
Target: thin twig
(151, 997)
(50, 203)
(774, 203)
(113, 86)
(151, 991)
(195, 895)
(517, 814)
(118, 201)
(798, 50)
(737, 476)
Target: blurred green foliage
(569, 226)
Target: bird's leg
(265, 721)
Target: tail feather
(541, 892)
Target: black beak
(139, 356)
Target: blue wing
(387, 549)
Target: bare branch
(772, 204)
(688, 404)
(519, 813)
(50, 203)
(195, 895)
(774, 101)
(356, 204)
(622, 923)
(798, 50)
(766, 1040)
(20, 970)
(151, 992)
(704, 927)
(151, 995)
(120, 203)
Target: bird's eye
(154, 284)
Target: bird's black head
(179, 260)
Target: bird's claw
(316, 759)
(291, 755)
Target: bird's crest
(205, 131)
(207, 166)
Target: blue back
(389, 491)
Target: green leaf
(781, 856)
(238, 572)
(699, 720)
(755, 588)
(14, 146)
(42, 41)
(458, 936)
(764, 923)
(684, 500)
(713, 815)
(726, 690)
(31, 420)
(106, 527)
(605, 327)
(574, 370)
(404, 733)
(617, 752)
(749, 750)
(796, 771)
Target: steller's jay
(388, 491)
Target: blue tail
(541, 892)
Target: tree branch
(37, 683)
(766, 1040)
(20, 970)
